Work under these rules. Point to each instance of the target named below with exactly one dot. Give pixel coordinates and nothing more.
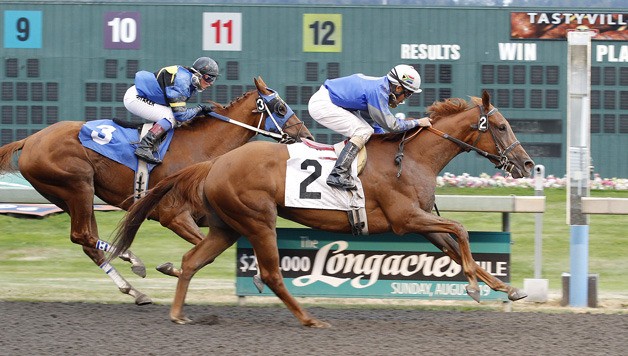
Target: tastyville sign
(555, 25)
(322, 264)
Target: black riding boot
(146, 147)
(340, 176)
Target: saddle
(361, 158)
(128, 124)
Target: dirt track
(126, 329)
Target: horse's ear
(261, 86)
(261, 82)
(486, 100)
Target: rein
(467, 147)
(241, 124)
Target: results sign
(322, 264)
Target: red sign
(555, 25)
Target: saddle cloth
(306, 174)
(116, 142)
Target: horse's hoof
(474, 293)
(139, 270)
(315, 323)
(516, 294)
(166, 268)
(259, 284)
(142, 299)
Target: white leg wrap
(103, 245)
(122, 284)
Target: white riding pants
(338, 119)
(147, 109)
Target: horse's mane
(447, 107)
(238, 99)
(220, 106)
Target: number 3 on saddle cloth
(306, 173)
(116, 142)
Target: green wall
(58, 64)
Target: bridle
(276, 110)
(482, 126)
(274, 104)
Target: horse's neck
(223, 136)
(214, 136)
(436, 151)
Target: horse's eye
(502, 127)
(280, 108)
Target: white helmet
(406, 76)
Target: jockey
(160, 97)
(340, 104)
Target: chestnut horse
(243, 192)
(69, 175)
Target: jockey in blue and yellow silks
(161, 97)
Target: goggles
(208, 78)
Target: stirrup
(341, 182)
(148, 157)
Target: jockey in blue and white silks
(161, 97)
(340, 105)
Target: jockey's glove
(425, 121)
(205, 109)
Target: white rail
(594, 205)
(492, 204)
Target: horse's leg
(204, 253)
(447, 244)
(94, 248)
(267, 253)
(424, 223)
(183, 225)
(84, 232)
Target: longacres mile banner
(321, 264)
(555, 25)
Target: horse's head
(279, 116)
(501, 144)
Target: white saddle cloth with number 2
(306, 174)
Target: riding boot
(147, 146)
(340, 176)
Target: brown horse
(69, 175)
(243, 191)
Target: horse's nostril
(529, 164)
(529, 167)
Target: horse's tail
(182, 185)
(7, 164)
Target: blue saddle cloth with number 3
(116, 142)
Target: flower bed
(498, 180)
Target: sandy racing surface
(126, 329)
